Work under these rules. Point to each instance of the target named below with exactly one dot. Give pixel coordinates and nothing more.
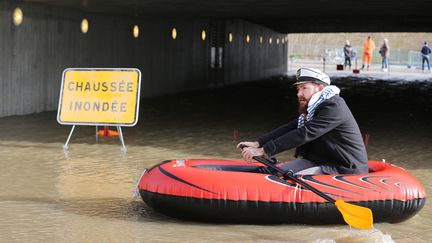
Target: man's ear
(320, 87)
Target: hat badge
(298, 73)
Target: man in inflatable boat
(326, 135)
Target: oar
(354, 215)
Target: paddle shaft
(290, 176)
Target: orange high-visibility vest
(368, 46)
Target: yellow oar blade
(356, 216)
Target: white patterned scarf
(316, 99)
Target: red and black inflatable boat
(232, 191)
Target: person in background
(425, 51)
(385, 53)
(368, 48)
(348, 52)
(326, 135)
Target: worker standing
(368, 48)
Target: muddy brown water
(85, 195)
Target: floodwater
(86, 194)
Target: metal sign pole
(121, 139)
(65, 146)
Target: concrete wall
(254, 60)
(34, 54)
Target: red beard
(302, 106)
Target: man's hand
(248, 144)
(250, 152)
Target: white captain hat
(305, 75)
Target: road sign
(99, 96)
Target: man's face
(304, 94)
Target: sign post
(99, 97)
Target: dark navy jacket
(331, 139)
(425, 50)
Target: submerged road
(85, 195)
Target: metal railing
(320, 55)
(415, 60)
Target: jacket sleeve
(327, 116)
(274, 134)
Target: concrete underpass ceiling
(285, 16)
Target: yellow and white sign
(99, 96)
